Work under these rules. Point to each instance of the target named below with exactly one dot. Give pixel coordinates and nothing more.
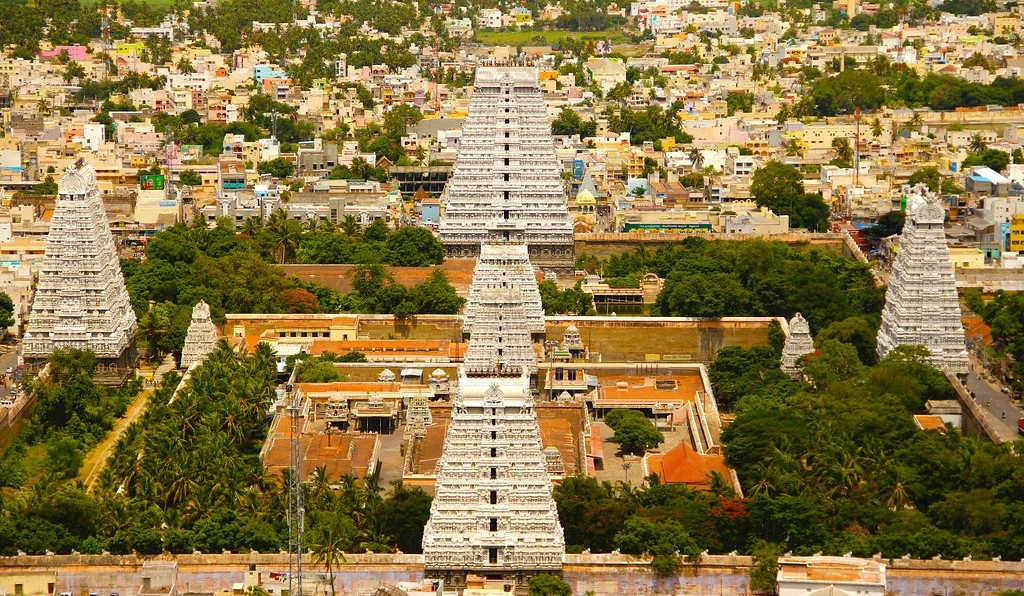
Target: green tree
(568, 122)
(6, 311)
(190, 178)
(766, 566)
(636, 435)
(836, 362)
(413, 246)
(64, 456)
(855, 331)
(548, 585)
(990, 158)
(278, 168)
(739, 101)
(331, 535)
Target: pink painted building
(76, 53)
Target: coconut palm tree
(794, 148)
(977, 144)
(329, 538)
(252, 227)
(696, 159)
(916, 121)
(844, 152)
(876, 128)
(350, 226)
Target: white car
(6, 403)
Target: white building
(830, 576)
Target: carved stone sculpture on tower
(507, 185)
(81, 301)
(921, 306)
(798, 344)
(201, 337)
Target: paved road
(8, 359)
(990, 398)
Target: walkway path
(96, 459)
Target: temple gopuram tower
(921, 304)
(81, 301)
(493, 514)
(201, 337)
(798, 344)
(500, 266)
(507, 184)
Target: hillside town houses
(731, 80)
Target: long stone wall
(605, 245)
(603, 574)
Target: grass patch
(536, 38)
(35, 459)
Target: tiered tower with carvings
(507, 184)
(798, 344)
(503, 266)
(921, 303)
(201, 337)
(81, 301)
(493, 513)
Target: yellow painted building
(1017, 234)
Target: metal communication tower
(296, 512)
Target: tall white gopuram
(798, 344)
(493, 513)
(501, 266)
(507, 185)
(201, 337)
(921, 303)
(81, 301)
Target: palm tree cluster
(196, 451)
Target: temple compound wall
(605, 575)
(604, 245)
(612, 339)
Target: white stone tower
(501, 266)
(493, 513)
(507, 184)
(201, 337)
(81, 301)
(921, 304)
(798, 344)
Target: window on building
(494, 497)
(494, 524)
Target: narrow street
(994, 401)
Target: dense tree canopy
(568, 122)
(750, 278)
(780, 187)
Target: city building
(838, 576)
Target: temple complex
(201, 337)
(798, 344)
(921, 306)
(81, 301)
(507, 185)
(493, 513)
